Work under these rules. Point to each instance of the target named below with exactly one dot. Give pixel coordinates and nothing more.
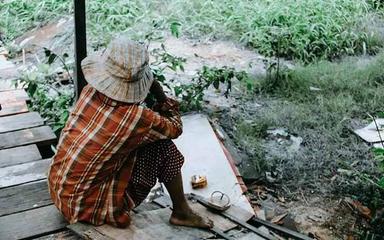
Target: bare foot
(190, 219)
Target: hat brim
(98, 77)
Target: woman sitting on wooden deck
(113, 148)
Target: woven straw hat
(121, 72)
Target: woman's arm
(164, 117)
(164, 120)
(157, 90)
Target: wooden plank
(20, 121)
(8, 84)
(13, 96)
(87, 231)
(35, 222)
(143, 207)
(207, 157)
(23, 173)
(12, 108)
(24, 197)
(8, 69)
(41, 136)
(144, 226)
(220, 222)
(240, 213)
(17, 155)
(65, 234)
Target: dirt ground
(314, 208)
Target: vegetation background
(336, 82)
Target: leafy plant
(377, 4)
(175, 29)
(313, 29)
(379, 153)
(192, 94)
(50, 90)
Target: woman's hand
(157, 90)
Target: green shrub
(50, 95)
(307, 29)
(18, 16)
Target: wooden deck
(26, 210)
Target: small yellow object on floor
(199, 181)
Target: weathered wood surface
(13, 96)
(7, 69)
(8, 84)
(18, 155)
(41, 136)
(240, 213)
(220, 222)
(206, 156)
(23, 173)
(65, 234)
(35, 222)
(20, 121)
(87, 231)
(145, 225)
(143, 207)
(24, 197)
(12, 108)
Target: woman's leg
(162, 160)
(182, 214)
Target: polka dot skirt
(159, 160)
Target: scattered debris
(315, 89)
(372, 133)
(278, 219)
(358, 207)
(219, 201)
(345, 172)
(281, 142)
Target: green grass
(354, 86)
(305, 30)
(350, 89)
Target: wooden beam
(65, 234)
(18, 155)
(144, 226)
(20, 121)
(24, 197)
(32, 223)
(23, 173)
(80, 44)
(12, 108)
(13, 96)
(8, 84)
(41, 136)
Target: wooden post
(80, 44)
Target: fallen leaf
(359, 207)
(363, 210)
(320, 236)
(350, 237)
(277, 219)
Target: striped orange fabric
(89, 174)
